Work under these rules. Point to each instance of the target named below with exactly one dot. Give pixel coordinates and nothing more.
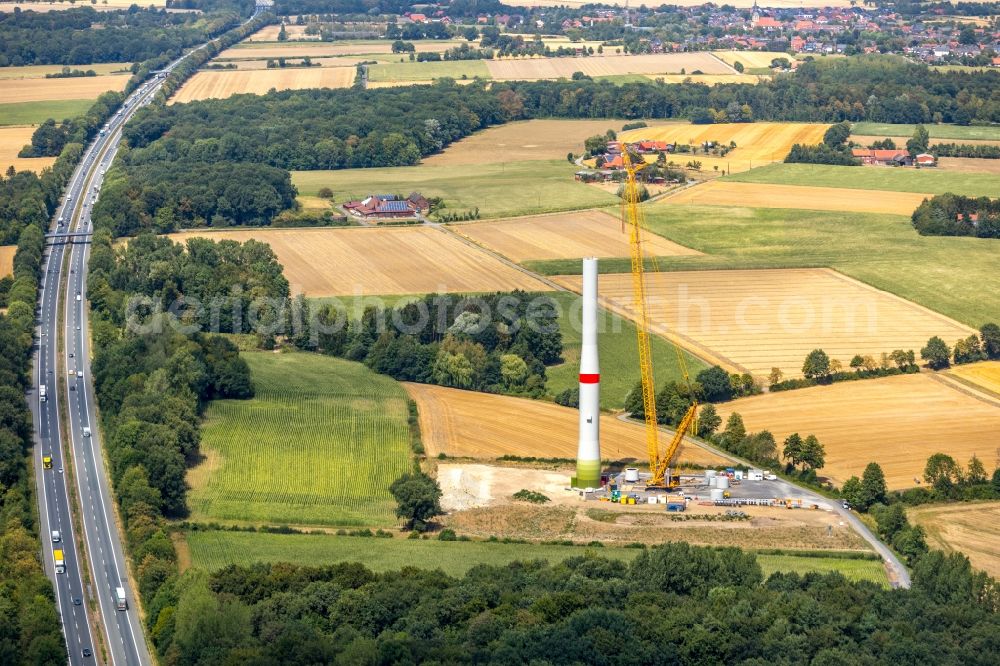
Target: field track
(84, 87)
(480, 425)
(7, 259)
(605, 65)
(588, 233)
(389, 260)
(728, 193)
(222, 84)
(970, 528)
(897, 422)
(753, 320)
(756, 143)
(12, 139)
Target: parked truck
(121, 603)
(41, 393)
(57, 555)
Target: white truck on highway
(121, 603)
(42, 395)
(57, 555)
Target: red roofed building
(388, 206)
(925, 160)
(885, 157)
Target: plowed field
(481, 425)
(589, 233)
(401, 260)
(754, 320)
(897, 422)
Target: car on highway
(77, 601)
(86, 432)
(87, 652)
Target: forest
(956, 215)
(84, 36)
(497, 343)
(674, 604)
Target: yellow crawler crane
(659, 462)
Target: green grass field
(930, 181)
(986, 132)
(215, 549)
(319, 444)
(618, 349)
(425, 71)
(957, 277)
(36, 113)
(497, 189)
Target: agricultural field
(12, 139)
(881, 250)
(897, 422)
(880, 130)
(873, 178)
(42, 89)
(619, 353)
(35, 113)
(497, 189)
(7, 253)
(969, 165)
(742, 4)
(408, 72)
(588, 233)
(546, 139)
(212, 550)
(985, 375)
(728, 193)
(104, 5)
(269, 33)
(605, 65)
(972, 529)
(756, 143)
(481, 425)
(755, 320)
(261, 50)
(751, 58)
(223, 84)
(386, 260)
(866, 140)
(319, 444)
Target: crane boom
(659, 463)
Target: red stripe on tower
(590, 379)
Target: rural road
(66, 422)
(899, 576)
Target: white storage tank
(722, 482)
(709, 475)
(631, 474)
(717, 494)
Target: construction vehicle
(46, 462)
(57, 555)
(659, 461)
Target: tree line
(30, 632)
(818, 368)
(956, 215)
(154, 380)
(674, 603)
(83, 36)
(982, 347)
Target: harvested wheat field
(482, 425)
(269, 33)
(103, 6)
(605, 65)
(726, 193)
(984, 375)
(868, 139)
(12, 139)
(753, 320)
(257, 51)
(7, 259)
(743, 4)
(587, 233)
(39, 71)
(219, 85)
(523, 140)
(381, 261)
(751, 58)
(40, 90)
(971, 529)
(708, 79)
(969, 165)
(897, 422)
(757, 144)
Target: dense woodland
(675, 604)
(956, 215)
(154, 376)
(84, 36)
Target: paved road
(66, 375)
